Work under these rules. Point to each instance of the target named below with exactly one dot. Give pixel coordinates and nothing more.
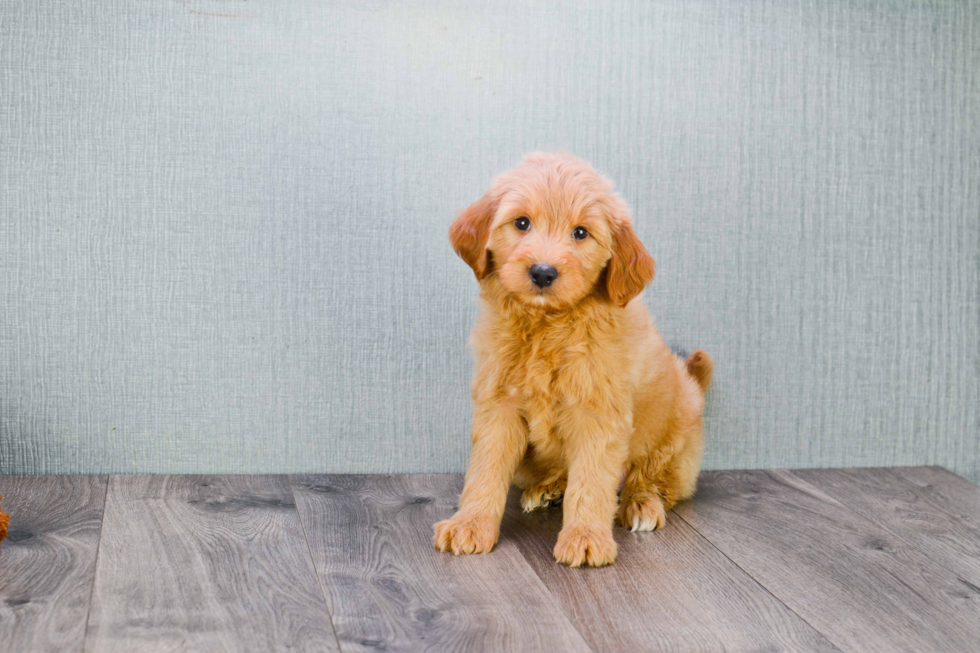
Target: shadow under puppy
(573, 389)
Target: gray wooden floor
(850, 560)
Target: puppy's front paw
(578, 545)
(543, 496)
(643, 512)
(466, 534)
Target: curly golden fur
(574, 392)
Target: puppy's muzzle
(542, 275)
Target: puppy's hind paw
(643, 513)
(543, 496)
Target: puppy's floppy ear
(631, 267)
(471, 230)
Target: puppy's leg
(642, 509)
(655, 484)
(543, 480)
(499, 442)
(663, 466)
(596, 452)
(641, 504)
(544, 495)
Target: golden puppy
(573, 388)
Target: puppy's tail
(700, 366)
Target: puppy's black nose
(542, 275)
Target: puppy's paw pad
(643, 513)
(464, 535)
(543, 496)
(579, 546)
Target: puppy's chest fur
(550, 365)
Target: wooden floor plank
(910, 512)
(205, 563)
(47, 565)
(960, 497)
(857, 583)
(667, 591)
(389, 589)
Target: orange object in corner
(4, 522)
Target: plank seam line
(860, 516)
(554, 599)
(938, 506)
(544, 586)
(95, 568)
(933, 499)
(316, 572)
(837, 503)
(541, 583)
(874, 523)
(757, 582)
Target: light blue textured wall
(223, 236)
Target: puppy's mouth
(543, 297)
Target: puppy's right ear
(471, 230)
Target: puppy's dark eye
(580, 233)
(522, 223)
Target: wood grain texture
(857, 583)
(958, 496)
(911, 513)
(668, 591)
(205, 563)
(47, 565)
(389, 589)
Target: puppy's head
(551, 232)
